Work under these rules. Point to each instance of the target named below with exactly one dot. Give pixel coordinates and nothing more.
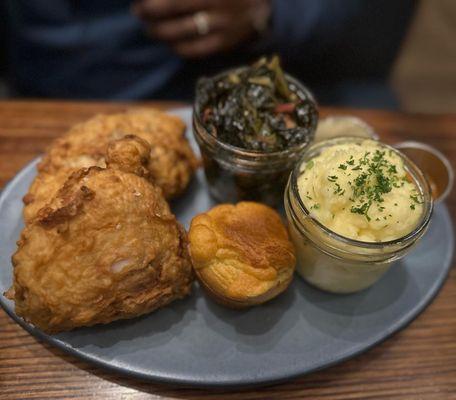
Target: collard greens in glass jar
(252, 124)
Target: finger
(157, 9)
(203, 46)
(185, 27)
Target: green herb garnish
(378, 178)
(363, 209)
(414, 197)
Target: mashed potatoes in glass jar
(354, 206)
(361, 191)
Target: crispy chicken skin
(105, 247)
(171, 165)
(43, 188)
(242, 254)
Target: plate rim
(400, 324)
(232, 384)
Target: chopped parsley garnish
(378, 156)
(339, 190)
(392, 169)
(378, 176)
(364, 159)
(363, 209)
(416, 200)
(414, 197)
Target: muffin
(242, 254)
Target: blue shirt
(98, 49)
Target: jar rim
(258, 154)
(417, 174)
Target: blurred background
(384, 54)
(424, 74)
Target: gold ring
(201, 20)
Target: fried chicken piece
(43, 188)
(46, 185)
(171, 165)
(129, 154)
(106, 247)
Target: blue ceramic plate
(198, 343)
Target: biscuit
(242, 254)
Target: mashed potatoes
(361, 191)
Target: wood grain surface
(417, 363)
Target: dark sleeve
(3, 36)
(295, 23)
(333, 39)
(3, 39)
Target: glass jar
(343, 125)
(336, 263)
(234, 174)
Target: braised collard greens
(257, 108)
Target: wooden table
(416, 363)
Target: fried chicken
(171, 165)
(105, 247)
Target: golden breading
(43, 188)
(129, 154)
(106, 247)
(241, 254)
(171, 165)
(132, 151)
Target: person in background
(144, 49)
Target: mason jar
(234, 174)
(338, 264)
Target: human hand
(200, 28)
